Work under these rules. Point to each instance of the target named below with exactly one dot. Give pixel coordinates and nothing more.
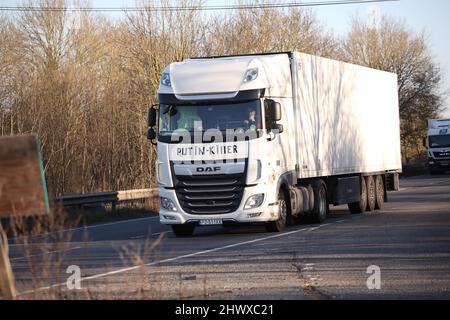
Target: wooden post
(7, 288)
(23, 193)
(22, 180)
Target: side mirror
(151, 134)
(424, 142)
(152, 117)
(276, 111)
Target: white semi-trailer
(438, 145)
(269, 138)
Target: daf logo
(208, 169)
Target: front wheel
(183, 230)
(434, 171)
(280, 224)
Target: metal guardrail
(106, 197)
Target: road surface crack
(307, 283)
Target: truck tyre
(435, 171)
(320, 210)
(280, 224)
(183, 230)
(371, 193)
(379, 191)
(360, 206)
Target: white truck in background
(437, 143)
(269, 138)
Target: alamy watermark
(374, 280)
(74, 280)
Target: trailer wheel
(360, 206)
(379, 190)
(371, 193)
(280, 224)
(183, 230)
(320, 210)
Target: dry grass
(39, 251)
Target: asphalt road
(409, 241)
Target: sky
(429, 16)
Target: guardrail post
(114, 206)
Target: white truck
(438, 145)
(270, 138)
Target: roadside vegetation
(83, 81)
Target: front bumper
(268, 211)
(439, 164)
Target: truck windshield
(441, 141)
(238, 117)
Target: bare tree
(267, 30)
(83, 81)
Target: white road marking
(101, 275)
(158, 233)
(97, 226)
(113, 223)
(40, 254)
(137, 237)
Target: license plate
(445, 163)
(210, 222)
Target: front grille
(210, 194)
(441, 155)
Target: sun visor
(207, 76)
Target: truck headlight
(250, 75)
(254, 201)
(168, 204)
(165, 80)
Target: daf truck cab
(438, 145)
(269, 138)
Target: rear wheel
(280, 224)
(183, 230)
(360, 206)
(379, 190)
(320, 210)
(371, 193)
